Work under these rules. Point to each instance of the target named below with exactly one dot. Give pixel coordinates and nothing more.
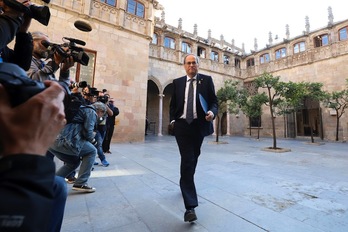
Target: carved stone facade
(138, 73)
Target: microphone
(52, 48)
(72, 40)
(45, 43)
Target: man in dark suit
(192, 121)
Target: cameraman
(40, 70)
(14, 23)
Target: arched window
(154, 38)
(280, 53)
(201, 52)
(236, 63)
(343, 33)
(299, 47)
(264, 58)
(250, 62)
(136, 8)
(214, 56)
(321, 40)
(226, 59)
(185, 47)
(110, 2)
(169, 42)
(85, 72)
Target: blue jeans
(72, 161)
(60, 195)
(100, 137)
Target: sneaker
(105, 163)
(83, 188)
(71, 180)
(96, 163)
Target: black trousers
(107, 139)
(189, 140)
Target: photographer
(101, 127)
(14, 23)
(30, 197)
(40, 70)
(110, 125)
(75, 145)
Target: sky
(246, 20)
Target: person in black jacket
(191, 126)
(110, 126)
(30, 197)
(14, 23)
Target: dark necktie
(189, 111)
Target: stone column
(228, 123)
(214, 125)
(160, 113)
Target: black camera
(40, 13)
(76, 52)
(17, 84)
(81, 84)
(103, 99)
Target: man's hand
(11, 11)
(67, 64)
(209, 116)
(31, 127)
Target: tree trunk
(272, 119)
(337, 125)
(311, 131)
(217, 128)
(258, 129)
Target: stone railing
(96, 11)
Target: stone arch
(167, 92)
(157, 83)
(152, 101)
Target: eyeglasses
(189, 63)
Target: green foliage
(252, 105)
(228, 97)
(337, 100)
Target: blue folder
(204, 103)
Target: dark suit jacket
(205, 87)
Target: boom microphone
(51, 48)
(72, 40)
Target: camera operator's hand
(11, 11)
(59, 56)
(31, 127)
(75, 90)
(67, 64)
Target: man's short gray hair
(99, 106)
(38, 34)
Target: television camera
(76, 52)
(39, 13)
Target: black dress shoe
(190, 215)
